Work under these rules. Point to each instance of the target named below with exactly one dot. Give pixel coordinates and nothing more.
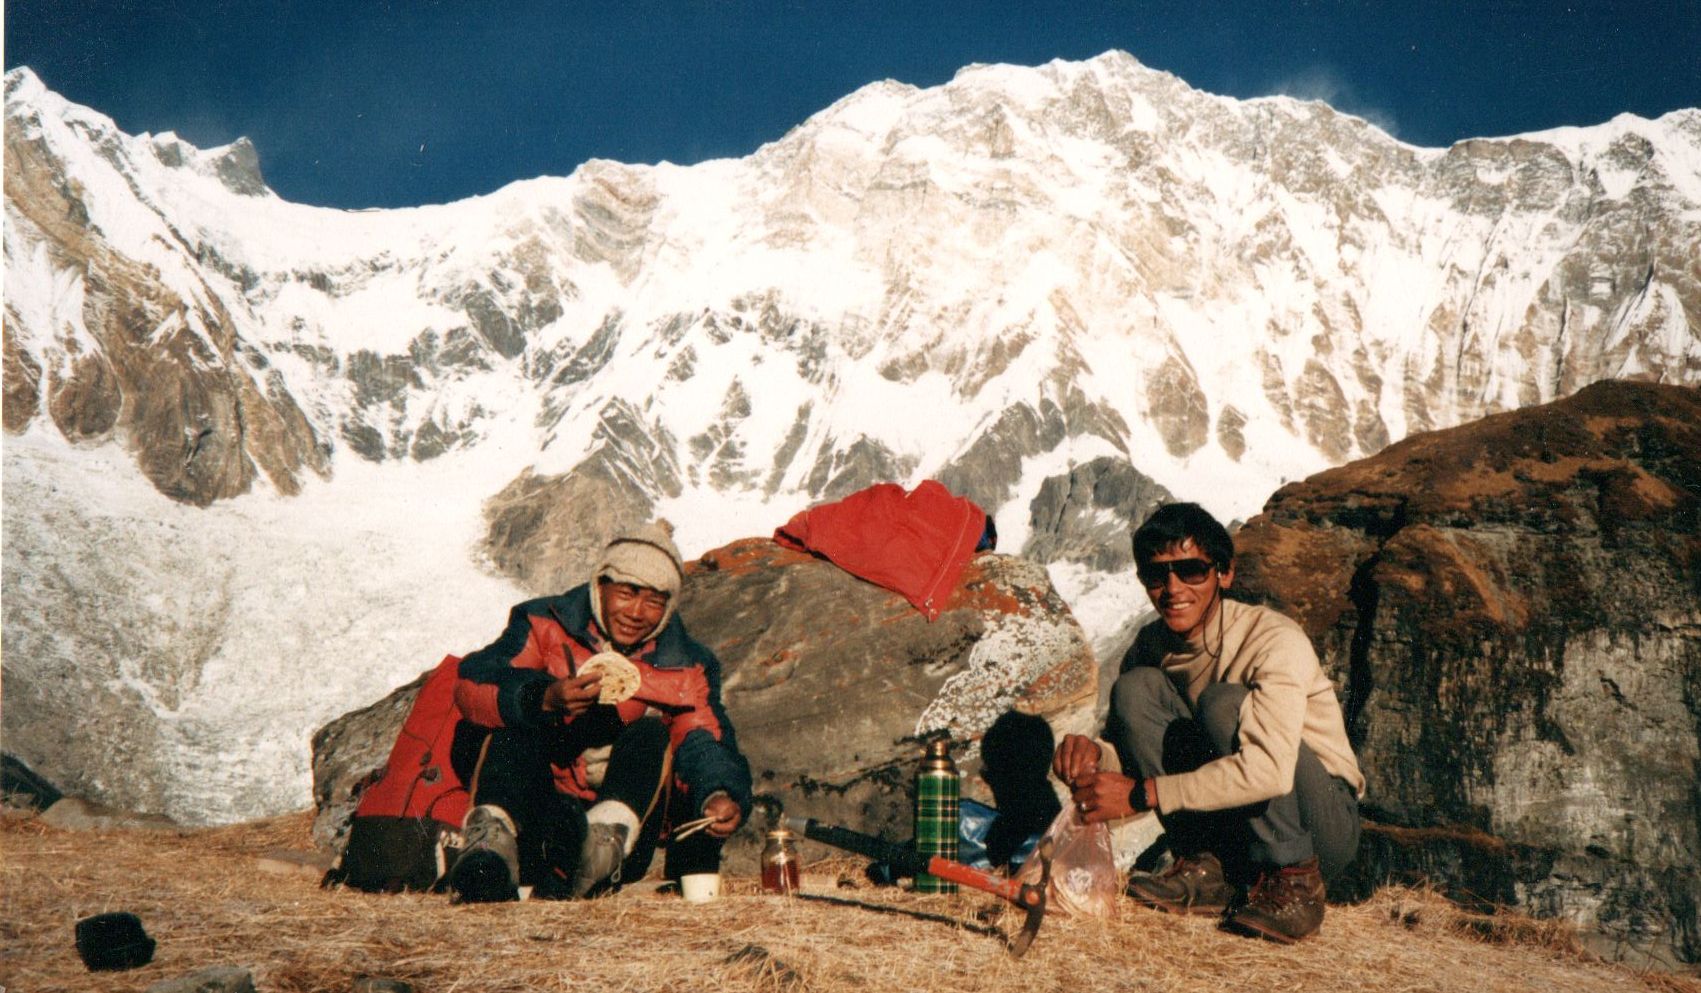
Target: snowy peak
(1268, 285)
(236, 165)
(35, 108)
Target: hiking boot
(1191, 885)
(1285, 905)
(600, 857)
(488, 870)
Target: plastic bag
(974, 823)
(1083, 867)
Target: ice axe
(1031, 897)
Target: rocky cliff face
(1084, 517)
(135, 360)
(1089, 259)
(1512, 610)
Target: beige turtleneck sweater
(1291, 701)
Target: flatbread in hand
(620, 677)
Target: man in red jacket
(530, 714)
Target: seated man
(1226, 726)
(530, 715)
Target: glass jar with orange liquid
(781, 871)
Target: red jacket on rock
(915, 543)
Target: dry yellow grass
(206, 898)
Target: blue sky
(395, 102)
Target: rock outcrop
(159, 369)
(828, 679)
(1084, 515)
(547, 531)
(348, 755)
(1512, 611)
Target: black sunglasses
(1190, 571)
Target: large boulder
(830, 681)
(1512, 611)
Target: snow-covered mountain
(265, 460)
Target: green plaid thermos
(936, 812)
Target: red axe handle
(979, 879)
(908, 861)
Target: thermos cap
(937, 757)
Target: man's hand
(1103, 796)
(1076, 760)
(573, 694)
(725, 813)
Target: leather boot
(488, 870)
(1191, 885)
(1285, 905)
(600, 858)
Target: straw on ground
(203, 895)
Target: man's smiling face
(631, 612)
(1184, 585)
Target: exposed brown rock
(1082, 516)
(1231, 432)
(1177, 407)
(163, 375)
(84, 401)
(546, 531)
(842, 469)
(1324, 412)
(22, 380)
(614, 210)
(1512, 610)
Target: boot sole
(482, 877)
(1180, 909)
(1256, 930)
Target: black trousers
(510, 768)
(1156, 733)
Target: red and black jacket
(502, 685)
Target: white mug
(700, 887)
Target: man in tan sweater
(1223, 722)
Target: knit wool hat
(645, 557)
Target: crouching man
(1223, 722)
(530, 714)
